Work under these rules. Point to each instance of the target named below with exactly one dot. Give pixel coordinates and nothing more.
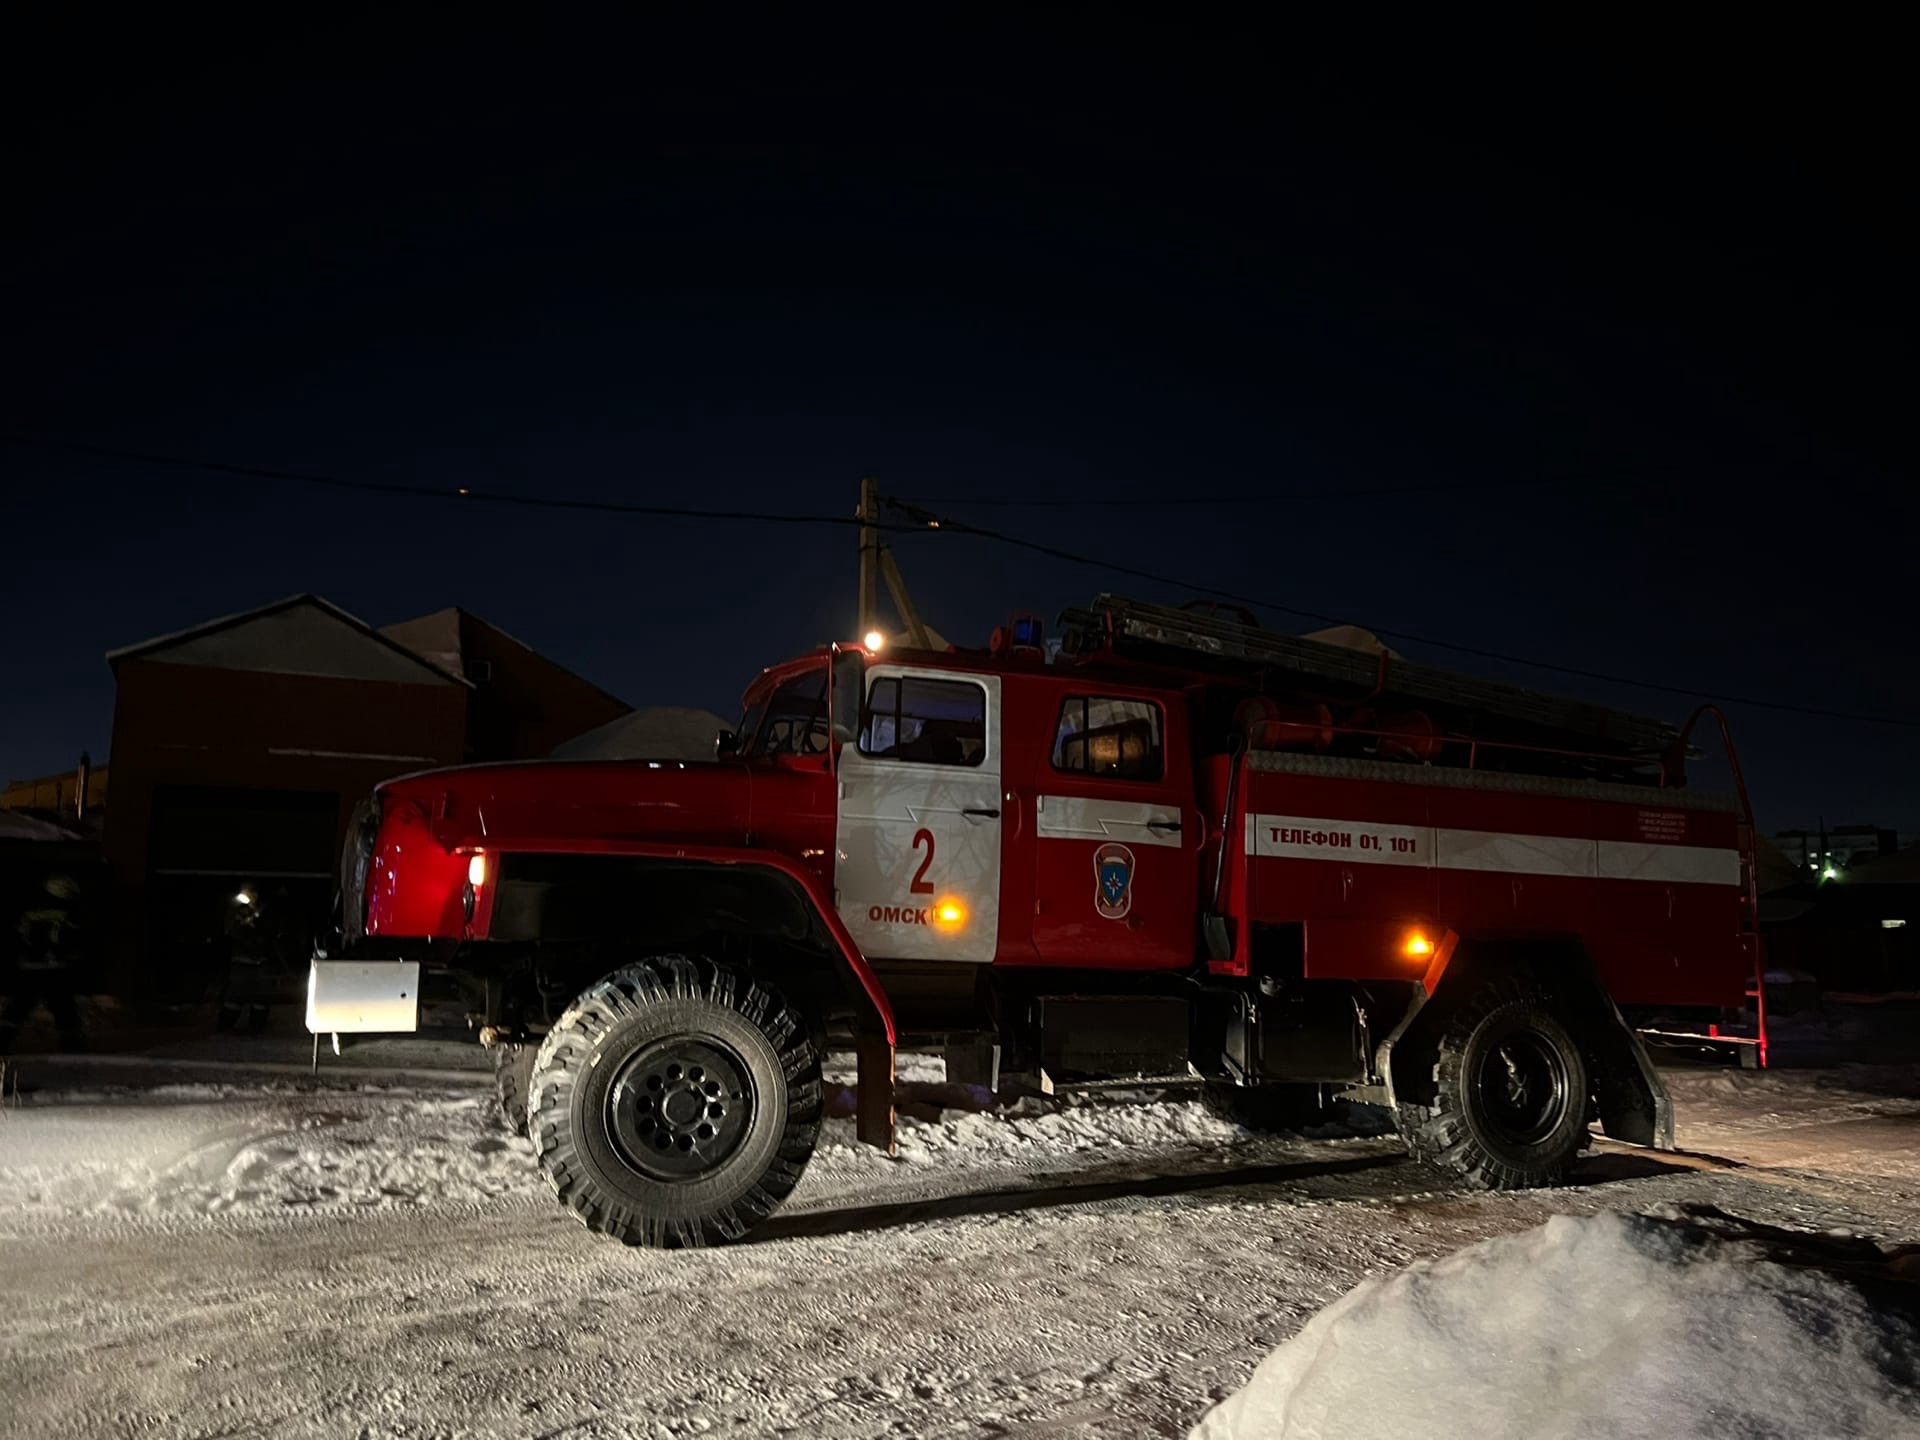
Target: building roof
(16, 826)
(661, 732)
(300, 635)
(442, 638)
(434, 637)
(1774, 870)
(1353, 637)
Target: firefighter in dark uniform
(44, 952)
(247, 984)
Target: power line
(1028, 502)
(942, 523)
(924, 520)
(458, 492)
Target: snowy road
(262, 1260)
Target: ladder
(1227, 641)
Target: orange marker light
(950, 914)
(477, 869)
(1417, 946)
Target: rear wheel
(1509, 1104)
(676, 1103)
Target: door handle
(1164, 827)
(982, 812)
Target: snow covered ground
(373, 1255)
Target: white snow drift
(1604, 1325)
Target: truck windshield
(796, 718)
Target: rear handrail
(1749, 857)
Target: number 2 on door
(922, 885)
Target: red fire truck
(1168, 846)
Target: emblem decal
(1113, 881)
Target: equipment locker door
(917, 862)
(1115, 838)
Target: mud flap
(873, 1079)
(1632, 1098)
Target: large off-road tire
(676, 1103)
(1264, 1109)
(512, 1078)
(1510, 1094)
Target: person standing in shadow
(44, 950)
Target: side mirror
(725, 743)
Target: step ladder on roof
(1226, 639)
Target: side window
(936, 722)
(1119, 739)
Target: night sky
(1638, 309)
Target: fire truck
(1167, 847)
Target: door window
(1103, 736)
(933, 722)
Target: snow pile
(211, 1150)
(214, 1149)
(1605, 1325)
(1068, 1129)
(1073, 1128)
(426, 1150)
(1034, 1131)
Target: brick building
(241, 746)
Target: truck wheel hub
(679, 1107)
(1523, 1084)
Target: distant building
(73, 794)
(1859, 930)
(241, 747)
(1814, 851)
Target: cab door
(918, 834)
(1116, 836)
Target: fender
(1632, 1097)
(809, 883)
(876, 1041)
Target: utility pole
(869, 558)
(918, 635)
(877, 565)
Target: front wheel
(1509, 1104)
(512, 1076)
(676, 1103)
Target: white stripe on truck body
(1359, 842)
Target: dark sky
(1639, 307)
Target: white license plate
(363, 997)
